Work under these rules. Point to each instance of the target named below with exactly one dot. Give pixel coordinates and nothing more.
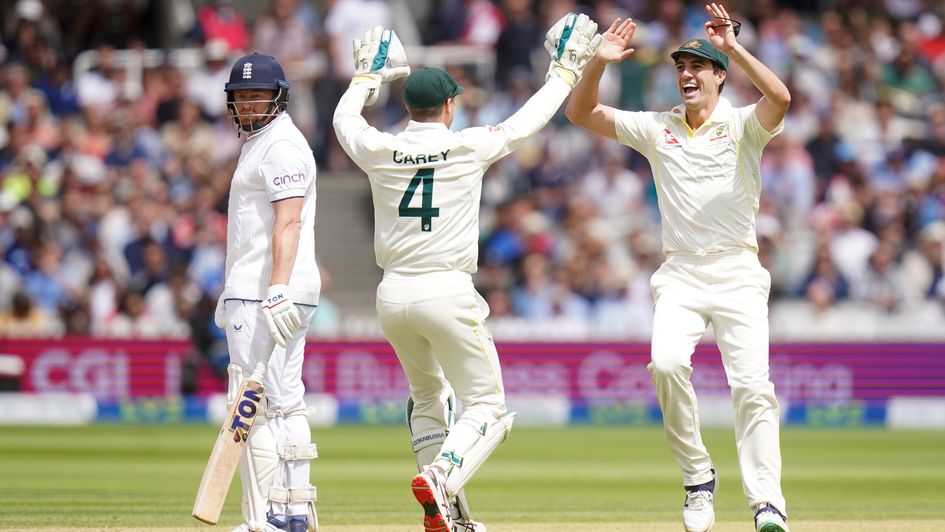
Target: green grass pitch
(572, 479)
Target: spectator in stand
(850, 244)
(213, 73)
(189, 134)
(57, 85)
(16, 94)
(520, 36)
(172, 95)
(19, 253)
(345, 21)
(280, 33)
(615, 190)
(132, 319)
(219, 19)
(882, 283)
(27, 26)
(922, 267)
(27, 179)
(828, 279)
(24, 320)
(102, 295)
(483, 24)
(907, 77)
(40, 127)
(100, 87)
(787, 177)
(45, 283)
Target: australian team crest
(720, 132)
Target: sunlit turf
(126, 476)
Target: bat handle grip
(259, 372)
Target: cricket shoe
(297, 523)
(769, 519)
(267, 527)
(429, 489)
(292, 523)
(698, 512)
(468, 526)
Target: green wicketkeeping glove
(572, 42)
(379, 57)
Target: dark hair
(715, 70)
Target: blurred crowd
(113, 187)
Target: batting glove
(282, 318)
(379, 57)
(572, 42)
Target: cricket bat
(225, 456)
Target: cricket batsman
(270, 293)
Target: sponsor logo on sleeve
(289, 180)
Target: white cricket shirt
(426, 181)
(275, 163)
(708, 181)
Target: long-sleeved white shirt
(426, 181)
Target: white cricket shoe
(769, 519)
(267, 527)
(698, 512)
(429, 488)
(468, 526)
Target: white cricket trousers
(247, 338)
(436, 324)
(730, 291)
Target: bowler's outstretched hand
(721, 35)
(616, 40)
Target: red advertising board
(585, 372)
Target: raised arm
(584, 109)
(775, 98)
(379, 58)
(572, 43)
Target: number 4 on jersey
(426, 212)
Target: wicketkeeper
(426, 183)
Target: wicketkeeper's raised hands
(379, 57)
(572, 42)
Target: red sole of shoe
(433, 521)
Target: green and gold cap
(702, 48)
(429, 87)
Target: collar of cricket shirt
(721, 113)
(413, 125)
(278, 118)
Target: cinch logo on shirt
(282, 180)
